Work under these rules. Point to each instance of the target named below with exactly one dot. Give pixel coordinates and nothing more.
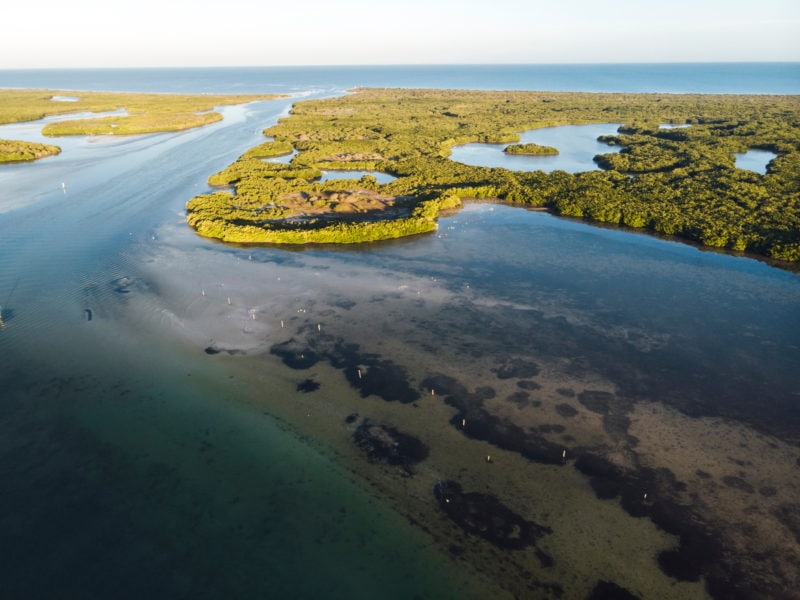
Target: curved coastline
(146, 113)
(653, 365)
(679, 181)
(530, 149)
(18, 151)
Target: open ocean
(712, 78)
(181, 418)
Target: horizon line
(416, 65)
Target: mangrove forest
(134, 113)
(676, 181)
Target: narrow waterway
(132, 464)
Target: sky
(183, 33)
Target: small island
(17, 151)
(135, 113)
(531, 149)
(678, 181)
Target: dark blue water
(723, 78)
(151, 445)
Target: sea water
(152, 443)
(722, 78)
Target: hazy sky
(90, 33)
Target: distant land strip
(136, 113)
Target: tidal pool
(577, 146)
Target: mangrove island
(135, 113)
(678, 181)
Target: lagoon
(380, 177)
(754, 160)
(284, 159)
(577, 146)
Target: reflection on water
(381, 177)
(132, 465)
(284, 159)
(577, 146)
(754, 160)
(254, 421)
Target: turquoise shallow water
(153, 480)
(136, 463)
(130, 469)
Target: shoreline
(149, 113)
(324, 397)
(628, 190)
(535, 335)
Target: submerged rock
(608, 590)
(295, 355)
(308, 385)
(651, 493)
(738, 483)
(521, 399)
(382, 378)
(476, 422)
(214, 349)
(516, 368)
(485, 516)
(369, 373)
(526, 384)
(386, 444)
(566, 411)
(789, 516)
(123, 285)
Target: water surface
(154, 443)
(754, 160)
(709, 78)
(577, 146)
(129, 457)
(381, 177)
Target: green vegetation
(145, 113)
(15, 151)
(131, 125)
(531, 149)
(679, 181)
